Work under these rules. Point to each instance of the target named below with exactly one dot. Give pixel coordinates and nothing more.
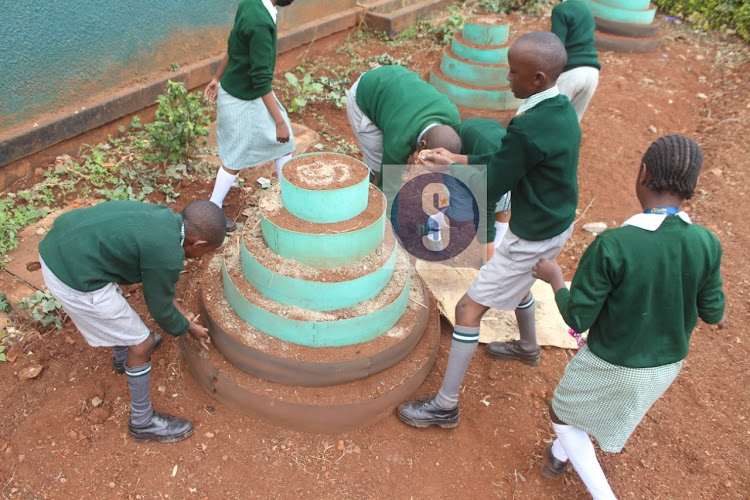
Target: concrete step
(395, 16)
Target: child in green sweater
(573, 23)
(537, 161)
(640, 290)
(89, 252)
(252, 127)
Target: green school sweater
(401, 105)
(537, 161)
(252, 52)
(124, 242)
(573, 23)
(641, 292)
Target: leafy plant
(506, 6)
(305, 89)
(44, 308)
(4, 305)
(716, 14)
(385, 59)
(182, 122)
(445, 31)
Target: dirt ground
(694, 443)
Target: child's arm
(282, 131)
(212, 89)
(711, 300)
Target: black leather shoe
(513, 350)
(424, 412)
(163, 428)
(553, 468)
(119, 368)
(231, 225)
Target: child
(395, 114)
(537, 162)
(89, 252)
(573, 22)
(640, 289)
(252, 125)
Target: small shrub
(712, 14)
(44, 308)
(181, 123)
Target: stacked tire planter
(626, 25)
(318, 322)
(473, 70)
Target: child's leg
(280, 163)
(119, 357)
(578, 448)
(442, 409)
(224, 180)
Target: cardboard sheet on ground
(449, 285)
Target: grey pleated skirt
(246, 132)
(606, 400)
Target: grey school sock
(121, 354)
(139, 383)
(526, 318)
(463, 345)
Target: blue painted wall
(57, 52)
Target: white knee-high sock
(577, 445)
(500, 229)
(224, 181)
(280, 163)
(437, 222)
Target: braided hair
(673, 163)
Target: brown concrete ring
(613, 43)
(310, 373)
(632, 30)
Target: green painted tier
(486, 30)
(483, 54)
(317, 295)
(497, 99)
(627, 4)
(643, 16)
(474, 74)
(343, 327)
(322, 245)
(324, 205)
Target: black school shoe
(552, 467)
(231, 225)
(514, 351)
(424, 412)
(119, 368)
(163, 428)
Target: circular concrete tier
(269, 358)
(497, 99)
(334, 409)
(486, 54)
(627, 29)
(605, 42)
(322, 245)
(472, 73)
(352, 325)
(324, 187)
(290, 282)
(486, 30)
(640, 16)
(627, 4)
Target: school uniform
(537, 161)
(245, 130)
(89, 252)
(573, 23)
(640, 290)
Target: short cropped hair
(443, 136)
(674, 163)
(205, 221)
(547, 52)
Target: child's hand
(282, 132)
(200, 333)
(723, 323)
(212, 90)
(439, 156)
(549, 271)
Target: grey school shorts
(103, 316)
(506, 279)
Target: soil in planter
(324, 172)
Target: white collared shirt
(428, 127)
(652, 222)
(270, 8)
(537, 98)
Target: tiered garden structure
(319, 322)
(626, 25)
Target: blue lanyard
(662, 210)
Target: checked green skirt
(606, 400)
